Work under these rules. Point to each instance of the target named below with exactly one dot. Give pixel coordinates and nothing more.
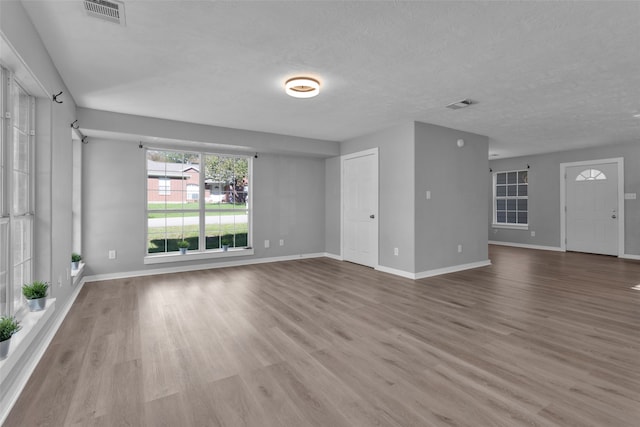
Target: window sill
(194, 256)
(79, 271)
(511, 226)
(32, 323)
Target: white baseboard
(629, 256)
(435, 272)
(185, 268)
(396, 272)
(452, 269)
(31, 359)
(334, 256)
(526, 246)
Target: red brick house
(174, 182)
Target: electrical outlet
(395, 251)
(459, 248)
(112, 254)
(281, 242)
(266, 243)
(533, 234)
(428, 195)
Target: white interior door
(360, 208)
(592, 208)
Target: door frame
(563, 199)
(343, 158)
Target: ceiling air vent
(460, 104)
(108, 10)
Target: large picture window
(511, 198)
(16, 192)
(202, 198)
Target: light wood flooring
(538, 338)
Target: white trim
(434, 272)
(396, 272)
(619, 161)
(165, 258)
(180, 269)
(452, 269)
(333, 256)
(526, 246)
(343, 158)
(511, 226)
(629, 256)
(31, 359)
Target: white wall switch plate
(266, 243)
(112, 254)
(428, 195)
(629, 196)
(281, 242)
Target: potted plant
(75, 261)
(8, 327)
(183, 245)
(36, 295)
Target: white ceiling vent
(460, 104)
(108, 10)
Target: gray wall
(396, 190)
(457, 211)
(544, 194)
(332, 206)
(52, 227)
(288, 203)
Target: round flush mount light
(460, 143)
(302, 87)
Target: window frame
(14, 304)
(495, 198)
(201, 252)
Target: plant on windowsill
(75, 261)
(36, 294)
(183, 245)
(8, 327)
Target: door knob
(372, 216)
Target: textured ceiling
(546, 76)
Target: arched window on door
(591, 175)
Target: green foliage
(212, 242)
(76, 257)
(182, 244)
(8, 327)
(174, 157)
(225, 169)
(35, 290)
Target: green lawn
(214, 233)
(218, 208)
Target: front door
(360, 208)
(592, 208)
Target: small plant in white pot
(75, 261)
(8, 327)
(36, 295)
(183, 245)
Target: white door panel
(592, 208)
(360, 208)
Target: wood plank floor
(537, 339)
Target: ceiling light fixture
(302, 87)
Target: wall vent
(108, 10)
